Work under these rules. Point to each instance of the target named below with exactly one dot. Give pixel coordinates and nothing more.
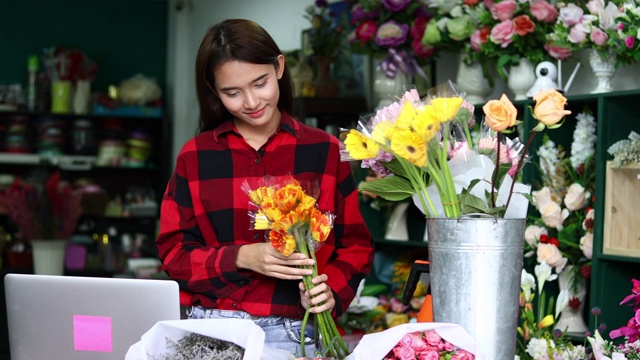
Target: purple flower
(322, 3)
(396, 5)
(358, 13)
(391, 34)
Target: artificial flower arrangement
(504, 31)
(629, 349)
(608, 27)
(537, 316)
(295, 224)
(325, 35)
(433, 159)
(391, 28)
(563, 233)
(42, 212)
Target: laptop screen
(70, 317)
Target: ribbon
(400, 60)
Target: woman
(246, 132)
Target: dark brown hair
(241, 40)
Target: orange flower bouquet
(295, 224)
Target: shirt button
(234, 305)
(258, 161)
(256, 236)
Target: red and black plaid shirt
(204, 218)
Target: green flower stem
(333, 344)
(495, 171)
(418, 185)
(467, 134)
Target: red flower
(585, 271)
(523, 25)
(574, 303)
(366, 31)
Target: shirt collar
(287, 123)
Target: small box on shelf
(621, 230)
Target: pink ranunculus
(414, 341)
(598, 36)
(404, 353)
(577, 34)
(557, 52)
(429, 355)
(502, 33)
(629, 41)
(432, 337)
(595, 6)
(544, 12)
(475, 40)
(504, 10)
(571, 14)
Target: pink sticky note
(92, 333)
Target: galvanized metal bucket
(475, 270)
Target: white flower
(548, 154)
(541, 197)
(584, 139)
(537, 348)
(551, 255)
(527, 283)
(553, 215)
(576, 197)
(543, 274)
(586, 245)
(532, 234)
(563, 300)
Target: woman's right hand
(264, 259)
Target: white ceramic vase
(81, 101)
(571, 320)
(521, 78)
(48, 256)
(604, 67)
(386, 89)
(471, 79)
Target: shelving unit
(616, 116)
(117, 179)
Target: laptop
(72, 317)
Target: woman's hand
(264, 259)
(320, 297)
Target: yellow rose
(549, 108)
(500, 114)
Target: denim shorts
(279, 332)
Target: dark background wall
(124, 37)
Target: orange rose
(500, 114)
(549, 108)
(523, 25)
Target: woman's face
(250, 91)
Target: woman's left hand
(320, 297)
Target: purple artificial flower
(358, 13)
(391, 34)
(396, 5)
(322, 3)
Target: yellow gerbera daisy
(410, 146)
(261, 221)
(258, 195)
(360, 146)
(288, 197)
(281, 234)
(444, 109)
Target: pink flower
(447, 346)
(366, 31)
(544, 12)
(502, 33)
(480, 37)
(504, 10)
(599, 37)
(595, 6)
(577, 34)
(404, 353)
(557, 52)
(462, 355)
(414, 341)
(432, 337)
(571, 14)
(523, 25)
(429, 355)
(629, 41)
